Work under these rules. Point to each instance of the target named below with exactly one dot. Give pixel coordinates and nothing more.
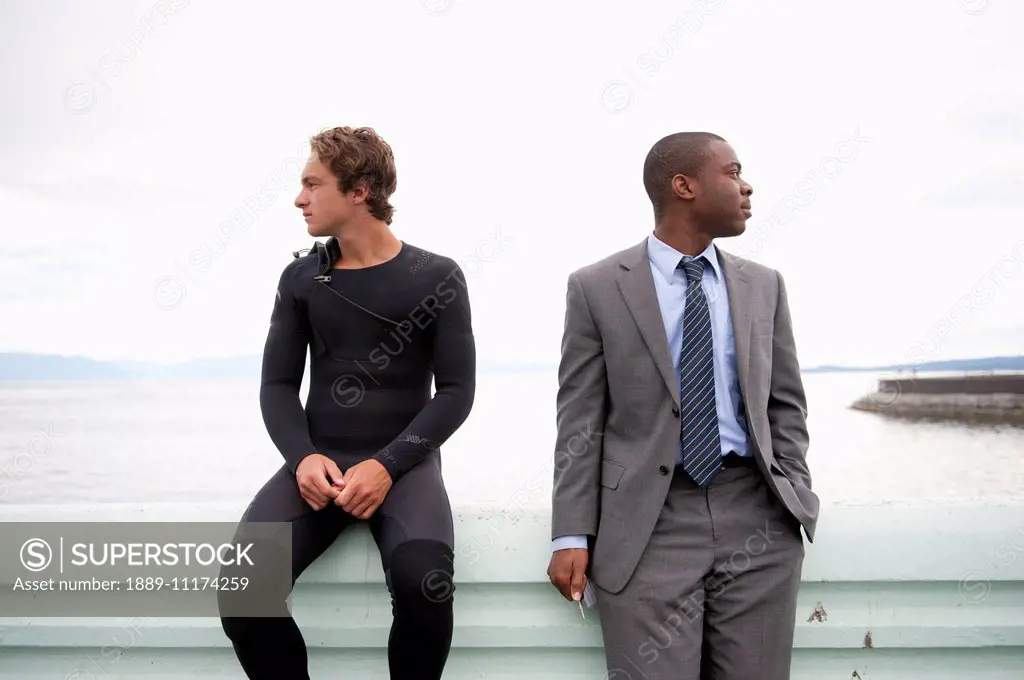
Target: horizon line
(544, 364)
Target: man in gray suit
(681, 482)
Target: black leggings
(412, 529)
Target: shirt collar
(667, 259)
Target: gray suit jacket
(618, 404)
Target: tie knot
(693, 267)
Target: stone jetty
(991, 397)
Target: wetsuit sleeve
(284, 361)
(454, 366)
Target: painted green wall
(890, 592)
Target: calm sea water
(194, 442)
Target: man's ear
(360, 192)
(682, 187)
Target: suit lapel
(738, 287)
(637, 288)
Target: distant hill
(22, 367)
(1010, 363)
(52, 367)
(28, 367)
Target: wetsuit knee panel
(422, 570)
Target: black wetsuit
(377, 337)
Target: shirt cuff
(574, 541)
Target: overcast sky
(884, 142)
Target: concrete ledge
(931, 590)
(999, 408)
(977, 383)
(973, 398)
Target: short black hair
(681, 153)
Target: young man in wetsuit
(381, 319)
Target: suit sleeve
(787, 404)
(580, 412)
(284, 362)
(454, 365)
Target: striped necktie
(699, 439)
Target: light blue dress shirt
(670, 287)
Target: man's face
(722, 198)
(324, 206)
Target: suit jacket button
(663, 470)
(675, 411)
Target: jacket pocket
(611, 473)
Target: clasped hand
(359, 492)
